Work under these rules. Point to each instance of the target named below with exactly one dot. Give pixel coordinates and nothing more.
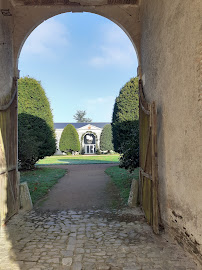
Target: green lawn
(79, 159)
(122, 179)
(41, 180)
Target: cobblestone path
(87, 240)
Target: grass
(122, 179)
(41, 180)
(79, 159)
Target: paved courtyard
(87, 240)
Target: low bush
(98, 152)
(69, 140)
(36, 140)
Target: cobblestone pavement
(87, 240)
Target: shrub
(32, 101)
(98, 152)
(125, 125)
(130, 150)
(126, 111)
(69, 140)
(35, 138)
(106, 143)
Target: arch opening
(135, 39)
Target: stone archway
(128, 23)
(26, 16)
(167, 37)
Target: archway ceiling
(28, 14)
(73, 2)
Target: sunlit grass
(79, 159)
(41, 180)
(122, 179)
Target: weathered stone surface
(67, 261)
(163, 33)
(25, 198)
(124, 245)
(133, 197)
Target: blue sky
(82, 61)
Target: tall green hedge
(125, 113)
(129, 158)
(106, 143)
(32, 100)
(125, 124)
(36, 136)
(69, 140)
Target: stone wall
(6, 55)
(171, 68)
(127, 18)
(170, 54)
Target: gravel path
(83, 187)
(86, 238)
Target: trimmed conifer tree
(32, 100)
(125, 113)
(69, 140)
(36, 136)
(106, 143)
(125, 125)
(35, 140)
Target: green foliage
(69, 140)
(122, 179)
(126, 111)
(130, 150)
(41, 180)
(106, 143)
(125, 125)
(36, 137)
(35, 140)
(80, 117)
(32, 100)
(98, 152)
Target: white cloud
(116, 48)
(49, 36)
(100, 108)
(100, 100)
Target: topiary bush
(69, 140)
(106, 138)
(125, 125)
(126, 111)
(36, 136)
(35, 140)
(32, 100)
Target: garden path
(86, 239)
(83, 187)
